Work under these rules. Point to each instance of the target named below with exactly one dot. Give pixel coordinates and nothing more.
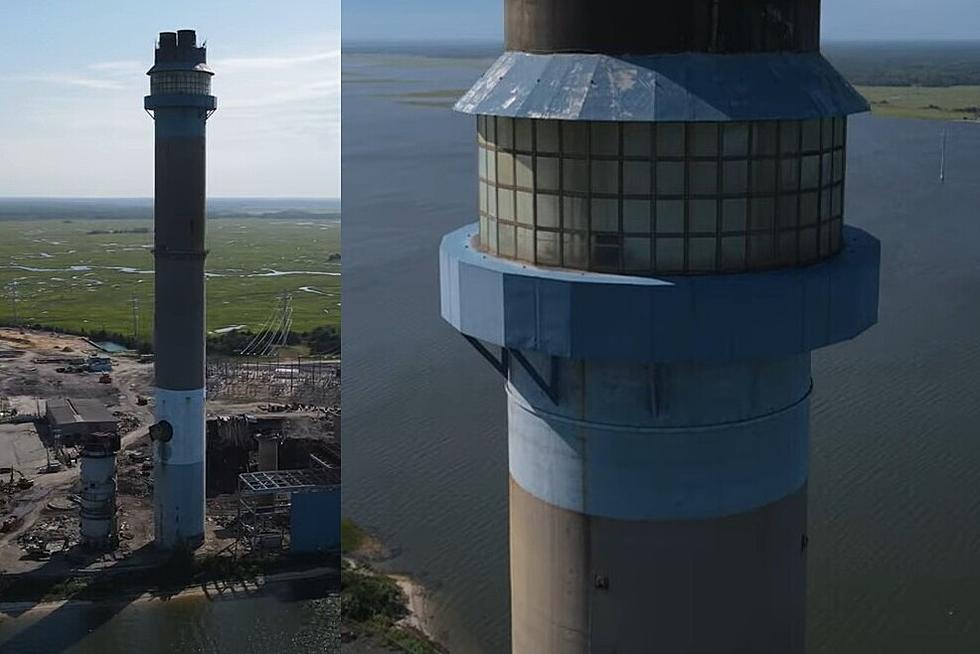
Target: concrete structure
(661, 244)
(98, 489)
(71, 418)
(181, 101)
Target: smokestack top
(638, 27)
(180, 47)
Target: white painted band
(184, 410)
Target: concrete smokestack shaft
(181, 103)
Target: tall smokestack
(181, 101)
(660, 246)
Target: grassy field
(68, 276)
(937, 103)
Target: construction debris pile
(55, 532)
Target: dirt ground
(45, 516)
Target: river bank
(380, 611)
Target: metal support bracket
(549, 387)
(501, 365)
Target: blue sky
(483, 19)
(72, 81)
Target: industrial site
(76, 457)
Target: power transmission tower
(136, 318)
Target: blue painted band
(710, 318)
(178, 504)
(657, 473)
(685, 87)
(166, 100)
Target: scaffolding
(265, 502)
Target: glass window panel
(701, 254)
(636, 216)
(575, 137)
(505, 240)
(808, 245)
(733, 215)
(491, 166)
(546, 135)
(483, 229)
(576, 213)
(670, 216)
(827, 133)
(808, 209)
(574, 251)
(525, 244)
(824, 241)
(703, 178)
(505, 133)
(605, 177)
(492, 234)
(789, 137)
(704, 139)
(670, 178)
(763, 213)
(547, 173)
(838, 165)
(810, 172)
(547, 210)
(481, 129)
(505, 206)
(811, 135)
(636, 177)
(492, 200)
(636, 253)
(505, 168)
(483, 197)
(525, 173)
(492, 129)
(825, 205)
(764, 136)
(733, 252)
(670, 254)
(605, 252)
(704, 215)
(761, 252)
(525, 208)
(736, 177)
(636, 140)
(786, 210)
(826, 169)
(605, 139)
(837, 203)
(789, 174)
(576, 173)
(522, 134)
(670, 140)
(736, 139)
(481, 160)
(839, 131)
(764, 176)
(605, 215)
(786, 243)
(548, 248)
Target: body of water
(184, 625)
(894, 561)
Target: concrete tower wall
(181, 103)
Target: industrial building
(661, 244)
(70, 418)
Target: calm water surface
(894, 506)
(191, 625)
